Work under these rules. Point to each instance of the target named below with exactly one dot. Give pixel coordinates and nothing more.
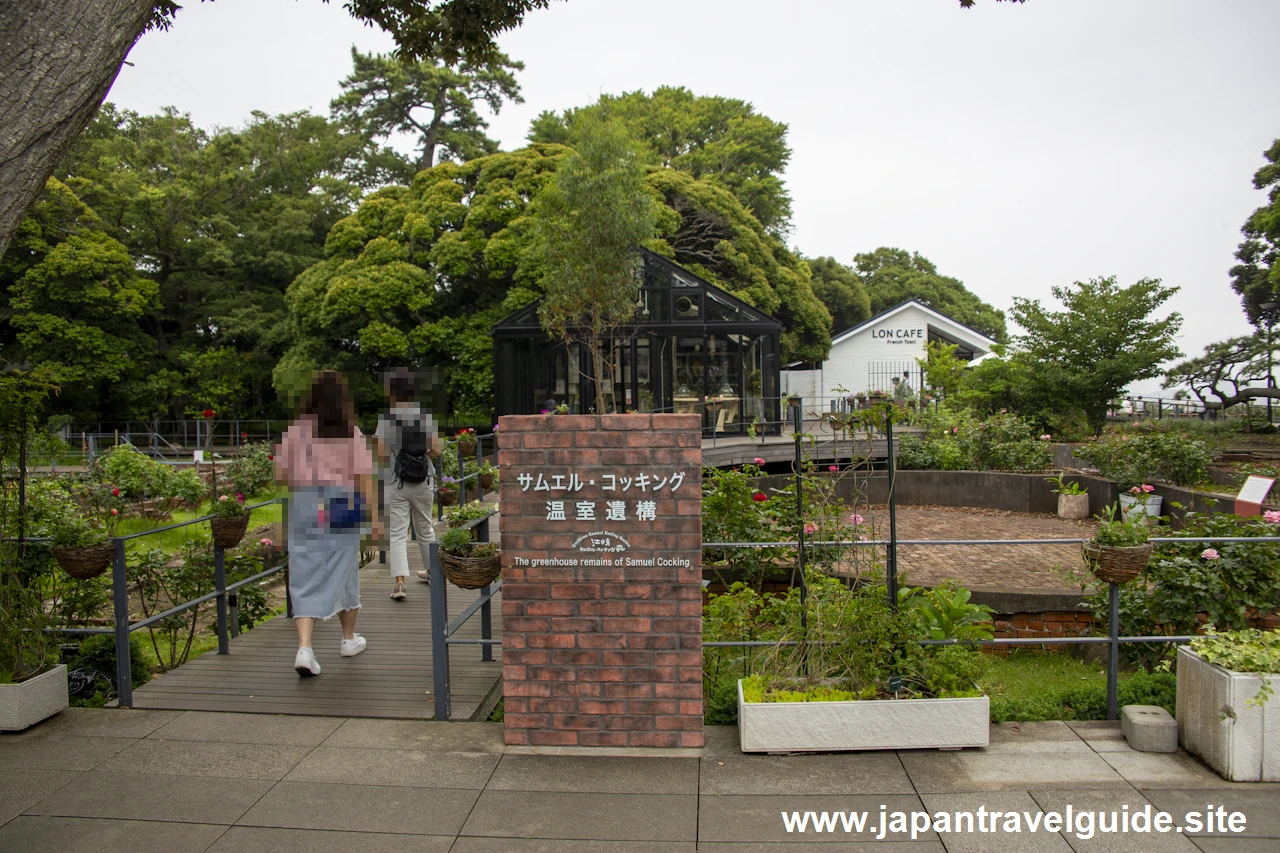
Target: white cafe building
(874, 354)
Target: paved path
(1024, 568)
(138, 781)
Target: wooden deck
(391, 679)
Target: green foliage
(459, 515)
(1247, 650)
(1257, 277)
(942, 370)
(892, 276)
(1103, 341)
(588, 223)
(720, 140)
(1062, 487)
(840, 290)
(1146, 455)
(385, 95)
(956, 440)
(1118, 530)
(252, 471)
(228, 506)
(1027, 697)
(139, 478)
(99, 652)
(946, 613)
(456, 541)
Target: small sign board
(1252, 494)
(198, 455)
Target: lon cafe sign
(899, 336)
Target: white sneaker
(354, 646)
(305, 663)
(423, 575)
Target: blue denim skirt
(324, 564)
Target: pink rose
(1209, 554)
(855, 518)
(1135, 491)
(1046, 437)
(758, 461)
(811, 528)
(833, 468)
(1004, 411)
(264, 542)
(955, 430)
(222, 497)
(864, 538)
(1147, 488)
(1271, 516)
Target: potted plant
(877, 396)
(1142, 501)
(467, 563)
(466, 441)
(1120, 549)
(459, 516)
(856, 679)
(81, 538)
(488, 475)
(447, 491)
(228, 520)
(1225, 682)
(1073, 498)
(33, 685)
(793, 400)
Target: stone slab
(197, 758)
(103, 722)
(248, 728)
(1119, 842)
(1258, 802)
(596, 774)
(260, 839)
(741, 819)
(46, 834)
(400, 767)
(21, 789)
(544, 814)
(1164, 770)
(826, 847)
(56, 752)
(362, 808)
(968, 772)
(139, 796)
(1149, 728)
(994, 842)
(559, 845)
(418, 734)
(846, 773)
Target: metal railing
(225, 594)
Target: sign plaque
(1252, 494)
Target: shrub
(252, 473)
(1086, 701)
(99, 653)
(1132, 459)
(139, 477)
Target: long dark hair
(329, 403)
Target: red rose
(115, 512)
(270, 456)
(115, 493)
(244, 435)
(759, 497)
(208, 413)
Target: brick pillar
(602, 618)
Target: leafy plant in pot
(1073, 498)
(447, 491)
(459, 516)
(467, 563)
(466, 441)
(229, 520)
(1120, 550)
(81, 540)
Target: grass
(175, 540)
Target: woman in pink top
(325, 462)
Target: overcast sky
(1017, 147)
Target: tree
(1226, 373)
(719, 140)
(892, 276)
(588, 223)
(841, 291)
(1257, 277)
(61, 57)
(942, 370)
(1104, 340)
(384, 95)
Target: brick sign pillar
(602, 580)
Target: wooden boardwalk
(391, 679)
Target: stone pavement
(140, 781)
(1024, 568)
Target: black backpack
(412, 464)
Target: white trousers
(409, 503)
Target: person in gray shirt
(408, 441)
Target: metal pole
(22, 475)
(439, 621)
(796, 420)
(462, 472)
(891, 552)
(1113, 653)
(233, 606)
(220, 584)
(486, 609)
(120, 610)
(1271, 382)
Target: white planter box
(23, 705)
(1217, 723)
(866, 724)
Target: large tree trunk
(58, 59)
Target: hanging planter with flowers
(229, 520)
(1120, 550)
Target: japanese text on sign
(608, 482)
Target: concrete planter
(1217, 723)
(1073, 506)
(869, 724)
(25, 704)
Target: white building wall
(855, 362)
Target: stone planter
(1073, 506)
(1217, 723)
(1129, 506)
(866, 724)
(23, 705)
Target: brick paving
(1024, 568)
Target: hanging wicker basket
(447, 497)
(228, 532)
(1116, 565)
(470, 572)
(486, 481)
(468, 448)
(85, 562)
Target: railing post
(120, 608)
(220, 585)
(439, 621)
(233, 607)
(1113, 653)
(891, 553)
(462, 474)
(486, 609)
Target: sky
(1018, 147)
